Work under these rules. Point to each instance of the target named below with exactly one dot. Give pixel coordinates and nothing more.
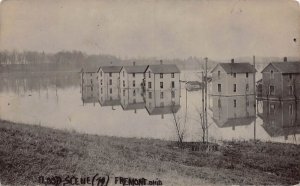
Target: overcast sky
(152, 28)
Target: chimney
(161, 61)
(232, 60)
(133, 63)
(285, 59)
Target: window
(234, 75)
(219, 88)
(161, 95)
(91, 81)
(290, 90)
(161, 75)
(101, 90)
(173, 84)
(247, 87)
(234, 103)
(272, 74)
(272, 109)
(91, 88)
(172, 75)
(123, 73)
(110, 82)
(272, 90)
(219, 74)
(101, 73)
(150, 95)
(149, 84)
(110, 90)
(91, 74)
(291, 109)
(133, 93)
(247, 103)
(123, 92)
(149, 74)
(291, 76)
(161, 85)
(110, 74)
(219, 103)
(173, 94)
(133, 83)
(234, 87)
(133, 74)
(123, 83)
(101, 82)
(247, 74)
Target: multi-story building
(233, 79)
(280, 81)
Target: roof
(113, 69)
(163, 110)
(89, 69)
(286, 67)
(135, 69)
(236, 67)
(164, 68)
(275, 130)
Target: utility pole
(203, 124)
(254, 89)
(206, 125)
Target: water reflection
(281, 118)
(132, 99)
(232, 111)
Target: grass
(28, 151)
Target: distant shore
(29, 153)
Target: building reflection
(89, 93)
(161, 102)
(281, 118)
(232, 111)
(132, 99)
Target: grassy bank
(27, 152)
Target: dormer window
(219, 74)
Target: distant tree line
(14, 61)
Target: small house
(162, 77)
(89, 76)
(233, 79)
(132, 76)
(280, 81)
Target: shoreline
(30, 151)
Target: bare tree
(179, 123)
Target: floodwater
(58, 100)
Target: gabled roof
(285, 67)
(236, 67)
(113, 69)
(164, 68)
(135, 69)
(89, 69)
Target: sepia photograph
(149, 92)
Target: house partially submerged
(109, 77)
(162, 77)
(233, 79)
(280, 81)
(132, 76)
(89, 76)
